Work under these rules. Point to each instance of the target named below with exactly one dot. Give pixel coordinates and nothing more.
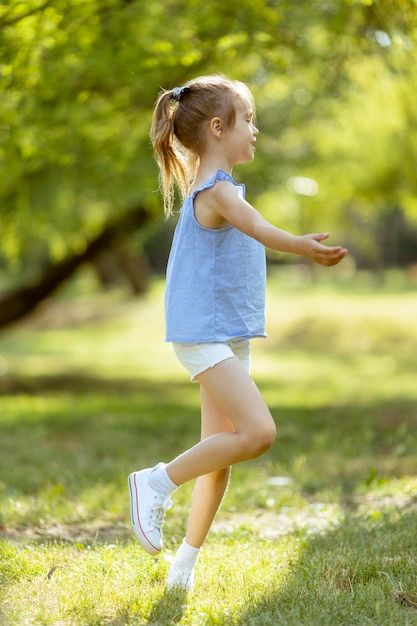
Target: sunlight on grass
(316, 531)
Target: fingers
(323, 254)
(320, 236)
(331, 256)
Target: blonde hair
(180, 120)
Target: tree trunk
(18, 304)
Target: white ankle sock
(160, 481)
(187, 555)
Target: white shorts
(199, 357)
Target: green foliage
(333, 81)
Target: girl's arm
(226, 201)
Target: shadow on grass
(80, 382)
(363, 572)
(70, 441)
(68, 444)
(169, 609)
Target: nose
(255, 130)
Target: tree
(78, 82)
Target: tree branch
(18, 18)
(24, 300)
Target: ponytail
(173, 161)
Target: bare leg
(210, 488)
(231, 389)
(237, 426)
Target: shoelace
(158, 510)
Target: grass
(319, 531)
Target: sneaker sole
(135, 517)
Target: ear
(216, 126)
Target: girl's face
(241, 137)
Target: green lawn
(319, 531)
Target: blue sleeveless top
(215, 283)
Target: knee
(261, 440)
(267, 437)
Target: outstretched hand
(320, 253)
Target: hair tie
(177, 92)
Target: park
(318, 531)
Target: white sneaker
(180, 577)
(147, 511)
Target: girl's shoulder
(209, 196)
(218, 176)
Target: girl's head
(180, 123)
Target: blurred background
(335, 86)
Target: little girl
(214, 302)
